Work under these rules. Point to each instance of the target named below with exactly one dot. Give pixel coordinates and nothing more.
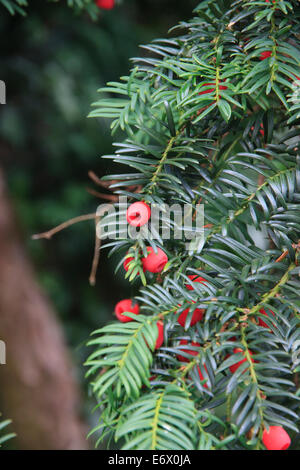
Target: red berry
(295, 79)
(261, 130)
(192, 353)
(195, 278)
(260, 321)
(197, 316)
(160, 337)
(188, 351)
(126, 263)
(265, 55)
(105, 4)
(126, 305)
(276, 438)
(210, 90)
(138, 214)
(155, 262)
(201, 375)
(234, 367)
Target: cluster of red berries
(261, 130)
(276, 438)
(105, 4)
(137, 215)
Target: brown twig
(282, 256)
(100, 182)
(97, 180)
(49, 234)
(107, 197)
(96, 258)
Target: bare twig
(96, 258)
(100, 182)
(107, 184)
(107, 197)
(49, 234)
(96, 179)
(282, 256)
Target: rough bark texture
(37, 388)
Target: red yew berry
(234, 367)
(233, 338)
(126, 305)
(210, 90)
(160, 337)
(105, 4)
(153, 377)
(197, 316)
(295, 79)
(265, 55)
(138, 214)
(260, 321)
(188, 351)
(192, 353)
(201, 375)
(261, 130)
(276, 438)
(195, 278)
(155, 262)
(126, 263)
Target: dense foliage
(52, 64)
(211, 116)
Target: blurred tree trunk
(37, 388)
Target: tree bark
(38, 390)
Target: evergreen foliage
(206, 118)
(15, 6)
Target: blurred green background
(53, 61)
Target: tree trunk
(37, 387)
